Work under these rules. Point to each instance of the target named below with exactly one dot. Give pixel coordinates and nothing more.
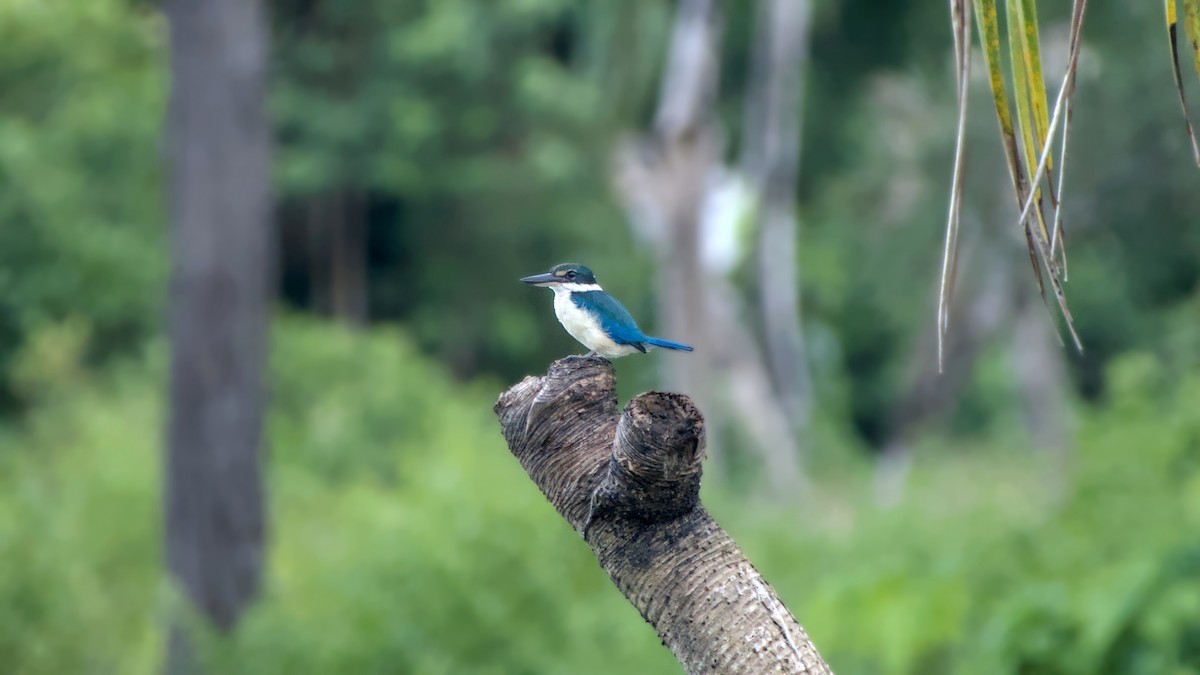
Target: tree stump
(629, 483)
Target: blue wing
(614, 319)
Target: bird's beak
(541, 279)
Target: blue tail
(667, 344)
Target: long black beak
(541, 279)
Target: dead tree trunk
(771, 158)
(218, 157)
(630, 483)
(663, 179)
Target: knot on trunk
(592, 463)
(655, 470)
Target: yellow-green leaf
(1024, 54)
(989, 35)
(1192, 26)
(1062, 108)
(1031, 53)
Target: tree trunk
(218, 157)
(770, 158)
(630, 484)
(348, 257)
(1041, 375)
(663, 180)
(316, 217)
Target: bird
(592, 316)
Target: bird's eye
(571, 275)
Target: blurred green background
(465, 143)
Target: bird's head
(565, 273)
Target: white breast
(582, 326)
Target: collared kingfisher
(592, 316)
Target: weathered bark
(218, 157)
(629, 483)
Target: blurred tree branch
(630, 483)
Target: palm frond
(1191, 24)
(1029, 161)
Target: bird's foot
(590, 356)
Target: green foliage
(406, 539)
(981, 570)
(479, 133)
(870, 250)
(81, 96)
(79, 531)
(403, 536)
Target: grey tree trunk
(218, 158)
(629, 483)
(770, 158)
(663, 180)
(348, 258)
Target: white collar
(576, 288)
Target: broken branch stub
(630, 483)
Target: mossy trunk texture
(629, 483)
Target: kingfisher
(592, 316)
